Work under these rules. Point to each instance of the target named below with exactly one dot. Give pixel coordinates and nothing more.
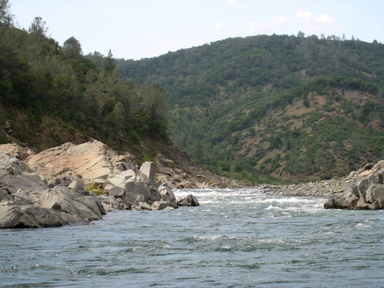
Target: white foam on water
(361, 225)
(210, 238)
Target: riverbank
(77, 173)
(360, 190)
(76, 184)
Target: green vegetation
(270, 108)
(263, 108)
(51, 94)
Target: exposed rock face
(190, 200)
(12, 183)
(60, 197)
(68, 168)
(9, 165)
(366, 193)
(16, 151)
(94, 161)
(362, 189)
(149, 170)
(115, 175)
(27, 202)
(52, 207)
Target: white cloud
(304, 16)
(325, 19)
(279, 19)
(231, 2)
(219, 25)
(257, 26)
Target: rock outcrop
(69, 178)
(366, 193)
(103, 171)
(94, 161)
(27, 202)
(52, 207)
(361, 189)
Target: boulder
(91, 161)
(80, 203)
(190, 200)
(30, 217)
(167, 193)
(3, 195)
(160, 205)
(116, 184)
(16, 151)
(121, 163)
(149, 170)
(52, 207)
(111, 204)
(132, 186)
(12, 183)
(9, 165)
(28, 202)
(140, 192)
(367, 192)
(141, 206)
(71, 167)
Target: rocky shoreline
(76, 184)
(360, 190)
(59, 186)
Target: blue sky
(135, 29)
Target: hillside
(273, 107)
(52, 94)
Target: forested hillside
(277, 107)
(51, 94)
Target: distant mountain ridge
(276, 107)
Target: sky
(136, 29)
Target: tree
(72, 49)
(109, 63)
(300, 34)
(117, 117)
(199, 154)
(5, 16)
(38, 27)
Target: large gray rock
(149, 170)
(92, 164)
(16, 151)
(8, 165)
(93, 161)
(140, 192)
(12, 183)
(115, 186)
(133, 186)
(112, 204)
(26, 201)
(190, 200)
(167, 193)
(161, 205)
(30, 216)
(366, 193)
(52, 207)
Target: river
(236, 238)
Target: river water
(236, 238)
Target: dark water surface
(236, 238)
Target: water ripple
(237, 238)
